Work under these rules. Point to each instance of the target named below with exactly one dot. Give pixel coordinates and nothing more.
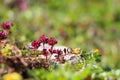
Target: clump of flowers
(7, 25)
(47, 52)
(43, 39)
(52, 41)
(59, 52)
(50, 56)
(3, 35)
(6, 48)
(35, 44)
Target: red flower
(7, 25)
(3, 35)
(45, 52)
(35, 44)
(43, 39)
(59, 52)
(52, 41)
(52, 51)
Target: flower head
(35, 44)
(43, 39)
(3, 35)
(45, 52)
(96, 51)
(12, 76)
(52, 41)
(59, 52)
(52, 51)
(7, 25)
(76, 50)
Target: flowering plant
(42, 53)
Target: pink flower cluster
(36, 44)
(44, 40)
(3, 35)
(6, 26)
(50, 41)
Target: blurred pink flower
(7, 25)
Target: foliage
(86, 24)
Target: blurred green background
(87, 24)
